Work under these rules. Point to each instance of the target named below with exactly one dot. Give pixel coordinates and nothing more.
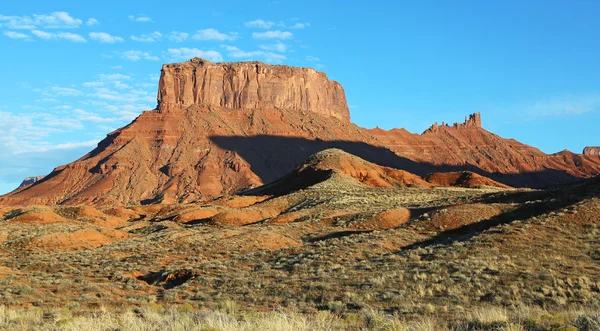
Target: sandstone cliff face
(250, 85)
(592, 150)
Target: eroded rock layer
(250, 85)
(592, 150)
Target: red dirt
(80, 239)
(245, 216)
(457, 216)
(462, 179)
(197, 214)
(239, 201)
(41, 217)
(387, 219)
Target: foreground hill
(220, 128)
(341, 247)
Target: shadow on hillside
(533, 204)
(272, 157)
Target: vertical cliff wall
(250, 85)
(592, 150)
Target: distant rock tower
(471, 121)
(474, 120)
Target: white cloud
(212, 34)
(114, 77)
(563, 106)
(104, 37)
(178, 37)
(277, 47)
(16, 35)
(272, 35)
(93, 84)
(134, 55)
(92, 117)
(185, 53)
(55, 20)
(42, 34)
(73, 145)
(69, 124)
(26, 142)
(140, 19)
(148, 38)
(260, 24)
(312, 58)
(71, 36)
(132, 95)
(300, 26)
(65, 91)
(253, 55)
(60, 35)
(91, 22)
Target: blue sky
(72, 72)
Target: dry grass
(180, 318)
(531, 263)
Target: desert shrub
(588, 322)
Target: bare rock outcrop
(472, 121)
(30, 181)
(592, 150)
(250, 85)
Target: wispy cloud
(260, 24)
(106, 38)
(212, 34)
(65, 91)
(55, 20)
(311, 58)
(60, 35)
(91, 22)
(237, 53)
(276, 34)
(27, 134)
(25, 140)
(139, 18)
(113, 77)
(562, 106)
(178, 37)
(299, 26)
(131, 95)
(42, 34)
(185, 53)
(277, 47)
(136, 55)
(87, 116)
(148, 38)
(16, 35)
